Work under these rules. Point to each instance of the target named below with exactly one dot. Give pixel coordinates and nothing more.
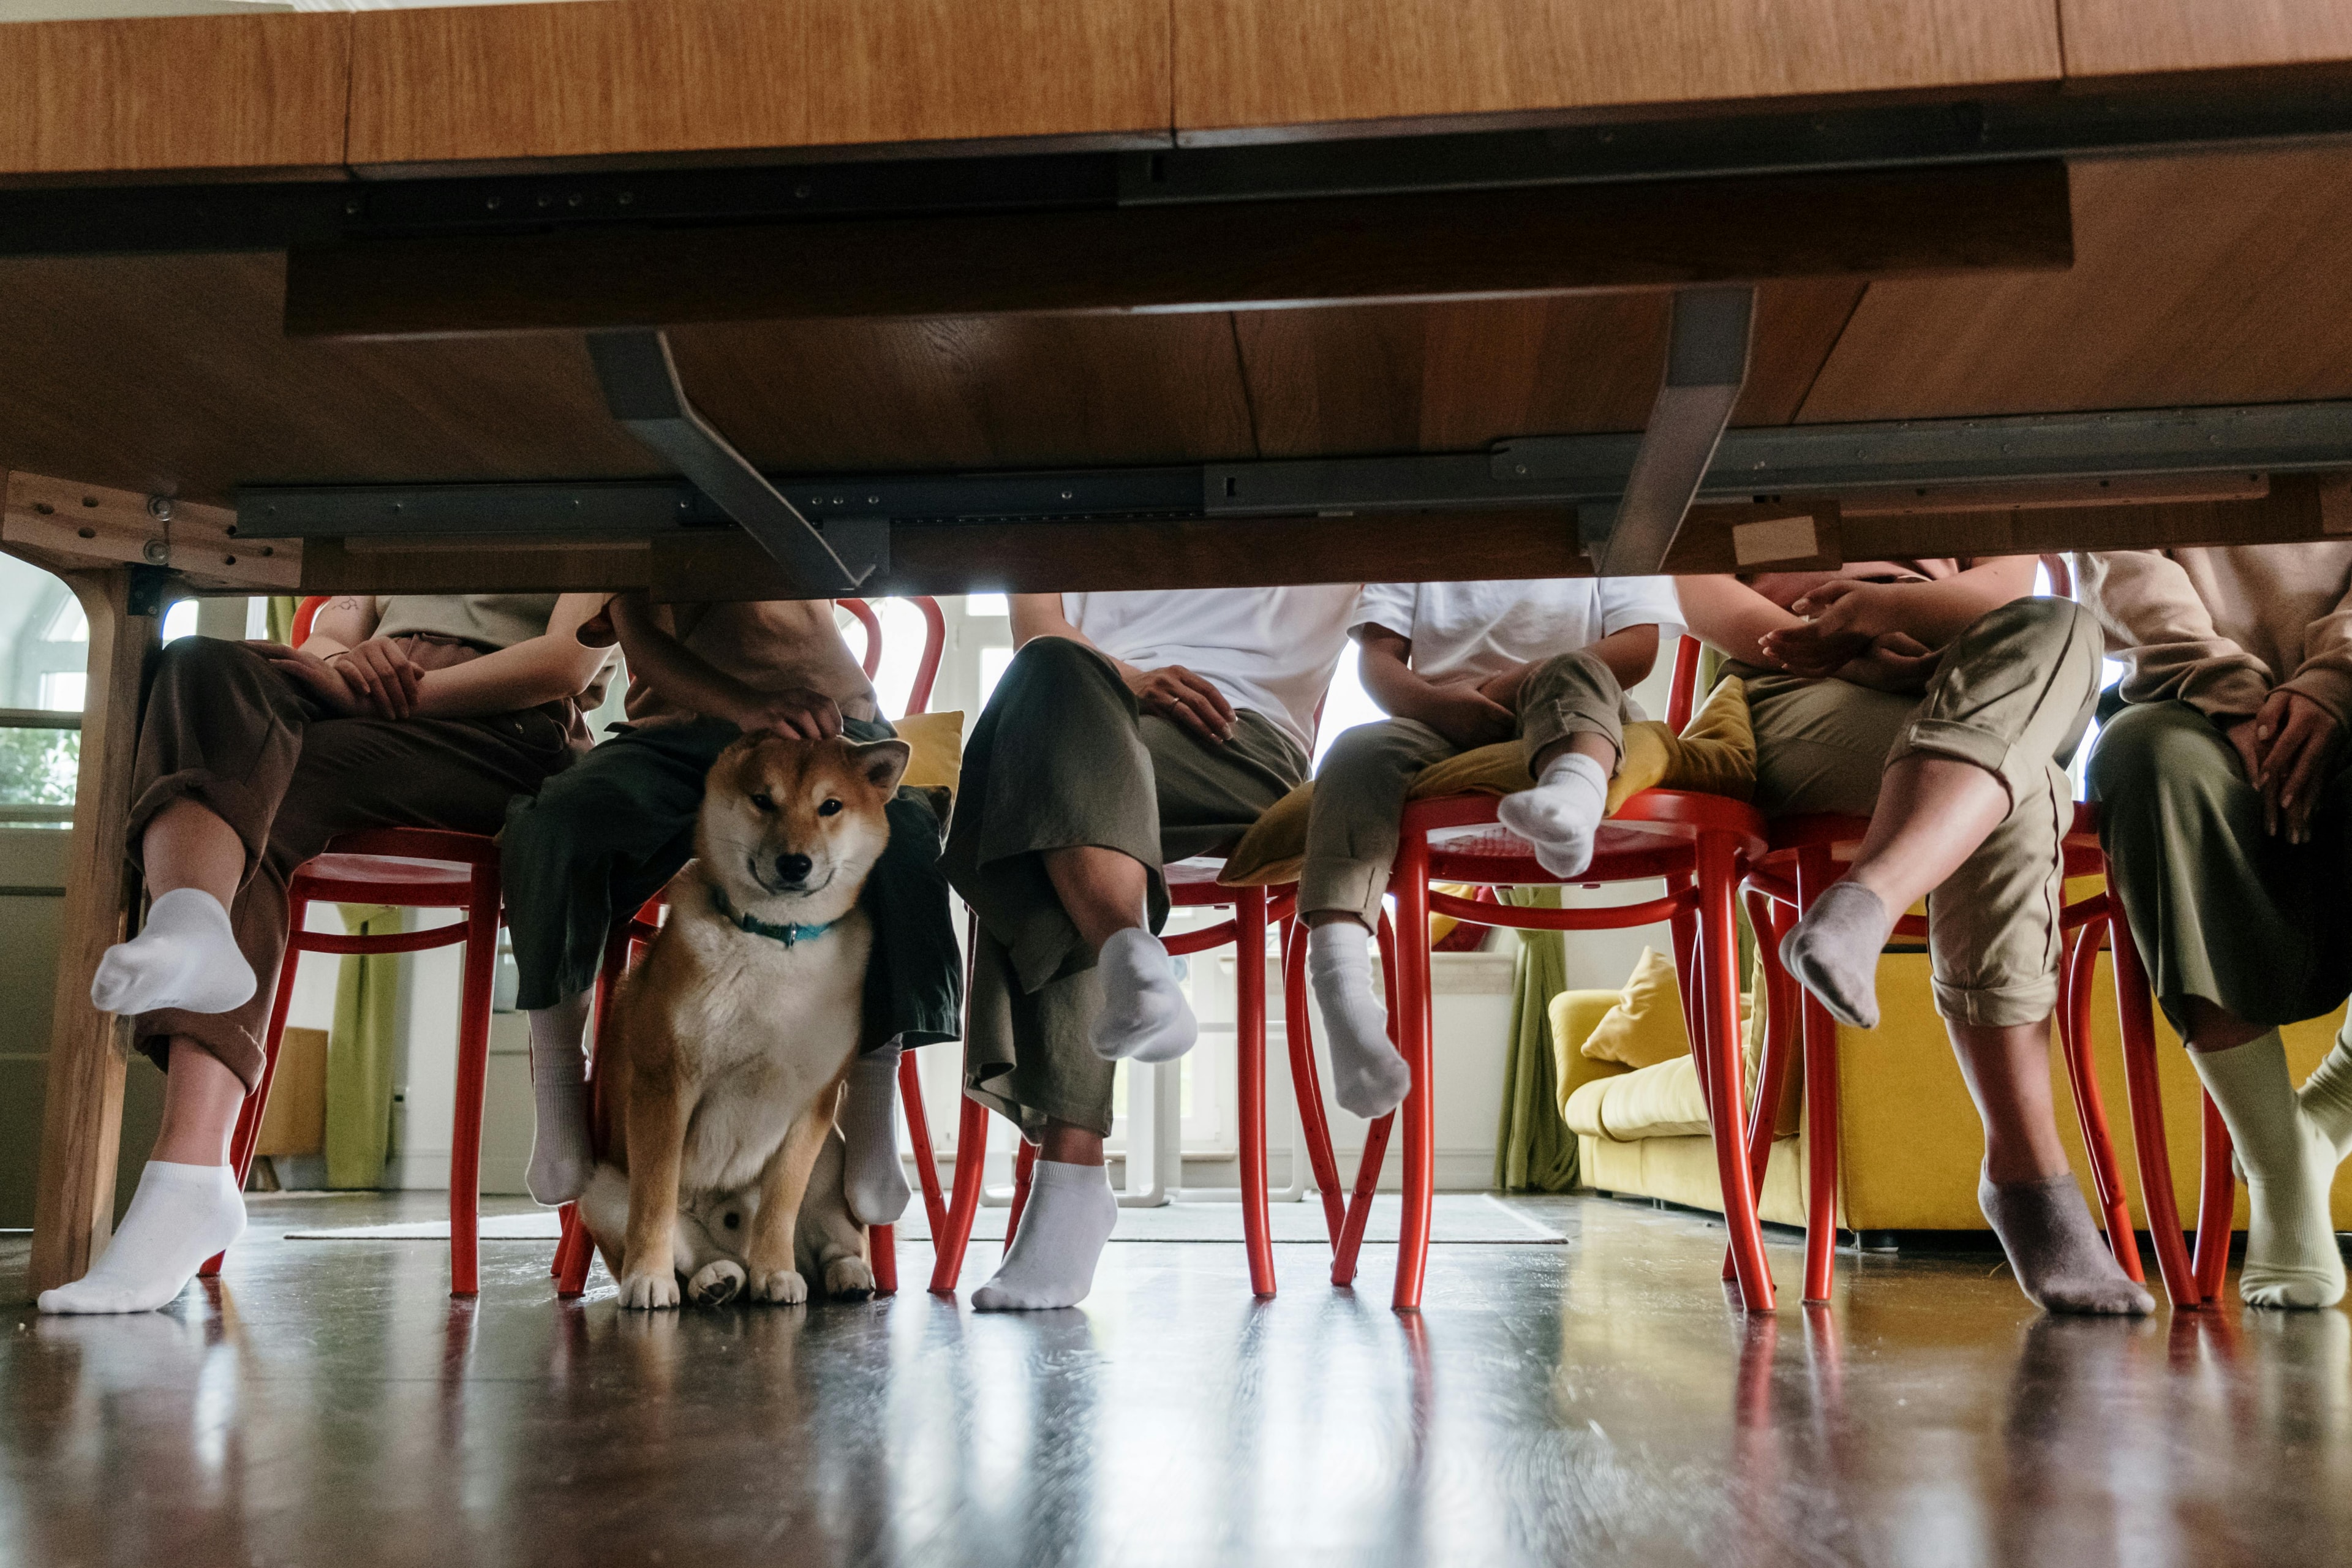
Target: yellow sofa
(1910, 1142)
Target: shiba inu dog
(729, 1043)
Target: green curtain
(359, 1054)
(1534, 1149)
(282, 617)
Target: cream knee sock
(1070, 1217)
(872, 1177)
(1561, 813)
(1368, 1076)
(2291, 1260)
(1145, 1016)
(181, 1216)
(185, 956)
(560, 1160)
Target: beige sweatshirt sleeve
(2326, 675)
(2162, 631)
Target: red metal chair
(1191, 884)
(415, 869)
(575, 1249)
(1802, 859)
(1697, 844)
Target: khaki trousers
(1360, 789)
(225, 730)
(2012, 694)
(1062, 758)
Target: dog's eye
(830, 808)
(766, 803)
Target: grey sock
(2061, 1262)
(1834, 951)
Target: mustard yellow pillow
(1646, 1028)
(1716, 755)
(937, 741)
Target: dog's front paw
(717, 1284)
(848, 1279)
(648, 1292)
(785, 1285)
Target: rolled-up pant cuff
(1948, 738)
(233, 1048)
(1997, 1006)
(1352, 889)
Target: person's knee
(1055, 659)
(2048, 627)
(2152, 746)
(200, 662)
(564, 811)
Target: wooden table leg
(81, 1121)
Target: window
(43, 657)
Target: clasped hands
(1849, 633)
(2286, 747)
(375, 679)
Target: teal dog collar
(791, 935)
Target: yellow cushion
(1572, 1015)
(937, 741)
(1662, 1100)
(1646, 1025)
(1716, 755)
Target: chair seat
(1494, 856)
(386, 880)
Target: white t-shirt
(1271, 650)
(1468, 631)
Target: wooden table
(1161, 246)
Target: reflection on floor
(1596, 1402)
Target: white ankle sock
(1145, 1016)
(1368, 1076)
(560, 1158)
(181, 1216)
(872, 1177)
(2291, 1260)
(185, 956)
(2326, 1095)
(1070, 1214)
(1560, 815)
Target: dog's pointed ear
(884, 762)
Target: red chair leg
(963, 1197)
(882, 1257)
(1766, 919)
(1376, 1136)
(2090, 1108)
(918, 1133)
(1024, 1172)
(1249, 997)
(1306, 1083)
(248, 1136)
(573, 1254)
(1718, 873)
(2135, 1014)
(1410, 883)
(1815, 871)
(481, 950)
(2217, 1201)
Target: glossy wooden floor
(1595, 1401)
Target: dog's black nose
(792, 867)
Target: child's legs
(1571, 701)
(1352, 827)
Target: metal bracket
(147, 589)
(1706, 364)
(642, 389)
